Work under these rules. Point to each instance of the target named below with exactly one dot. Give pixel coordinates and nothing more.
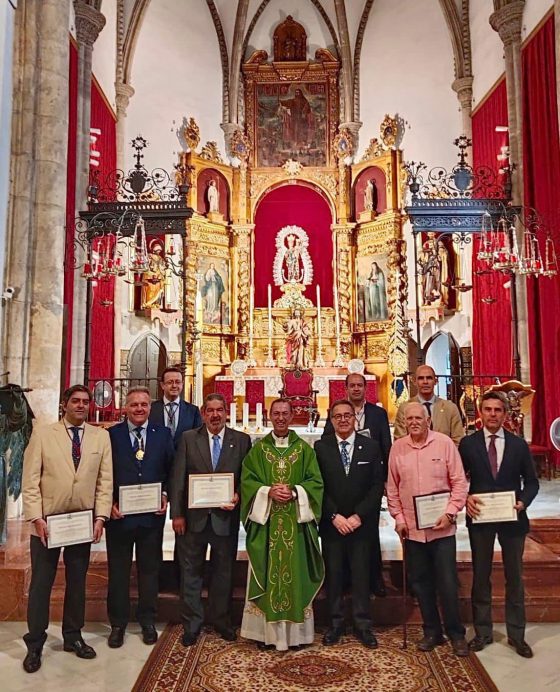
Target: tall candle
(336, 312)
(245, 416)
(319, 335)
(259, 416)
(251, 309)
(269, 319)
(233, 414)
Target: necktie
(139, 440)
(428, 406)
(216, 449)
(76, 446)
(344, 456)
(493, 455)
(172, 425)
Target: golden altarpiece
(243, 298)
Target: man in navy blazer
(172, 411)
(142, 454)
(370, 420)
(496, 460)
(352, 470)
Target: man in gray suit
(212, 448)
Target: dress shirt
(500, 443)
(69, 426)
(359, 420)
(220, 435)
(177, 403)
(132, 433)
(351, 440)
(281, 441)
(421, 469)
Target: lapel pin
(231, 446)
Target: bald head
(425, 381)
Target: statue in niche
(153, 280)
(297, 340)
(213, 197)
(434, 264)
(377, 293)
(289, 41)
(370, 196)
(292, 271)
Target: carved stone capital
(507, 21)
(463, 88)
(89, 22)
(229, 129)
(123, 94)
(354, 128)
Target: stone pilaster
(507, 21)
(346, 59)
(35, 234)
(463, 88)
(89, 22)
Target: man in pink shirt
(422, 463)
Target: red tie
(493, 455)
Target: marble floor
(117, 670)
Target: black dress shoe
(429, 643)
(521, 648)
(149, 634)
(116, 638)
(80, 648)
(32, 662)
(332, 636)
(460, 647)
(189, 638)
(261, 646)
(227, 633)
(367, 637)
(478, 643)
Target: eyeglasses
(343, 416)
(173, 382)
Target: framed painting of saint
(214, 289)
(371, 285)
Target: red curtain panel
(541, 153)
(302, 206)
(103, 307)
(491, 328)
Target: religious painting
(291, 123)
(214, 289)
(371, 284)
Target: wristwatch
(333, 515)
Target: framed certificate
(70, 529)
(429, 508)
(140, 499)
(207, 490)
(496, 507)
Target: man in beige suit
(67, 467)
(444, 415)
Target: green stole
(286, 564)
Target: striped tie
(76, 446)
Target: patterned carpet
(213, 665)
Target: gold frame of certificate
(69, 528)
(210, 490)
(429, 508)
(499, 509)
(143, 498)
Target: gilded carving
(373, 151)
(191, 133)
(210, 152)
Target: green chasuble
(286, 565)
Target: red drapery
(491, 329)
(541, 156)
(103, 308)
(302, 206)
(70, 209)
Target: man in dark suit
(172, 411)
(213, 448)
(352, 468)
(496, 460)
(372, 421)
(142, 453)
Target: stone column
(342, 233)
(346, 58)
(242, 258)
(33, 321)
(463, 88)
(89, 22)
(507, 21)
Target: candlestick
(233, 414)
(319, 362)
(270, 362)
(245, 416)
(259, 416)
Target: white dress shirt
(167, 418)
(350, 448)
(500, 443)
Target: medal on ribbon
(140, 454)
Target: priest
(282, 492)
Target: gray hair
(138, 389)
(415, 403)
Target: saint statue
(377, 293)
(213, 197)
(443, 261)
(370, 196)
(292, 272)
(212, 291)
(153, 280)
(297, 340)
(434, 264)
